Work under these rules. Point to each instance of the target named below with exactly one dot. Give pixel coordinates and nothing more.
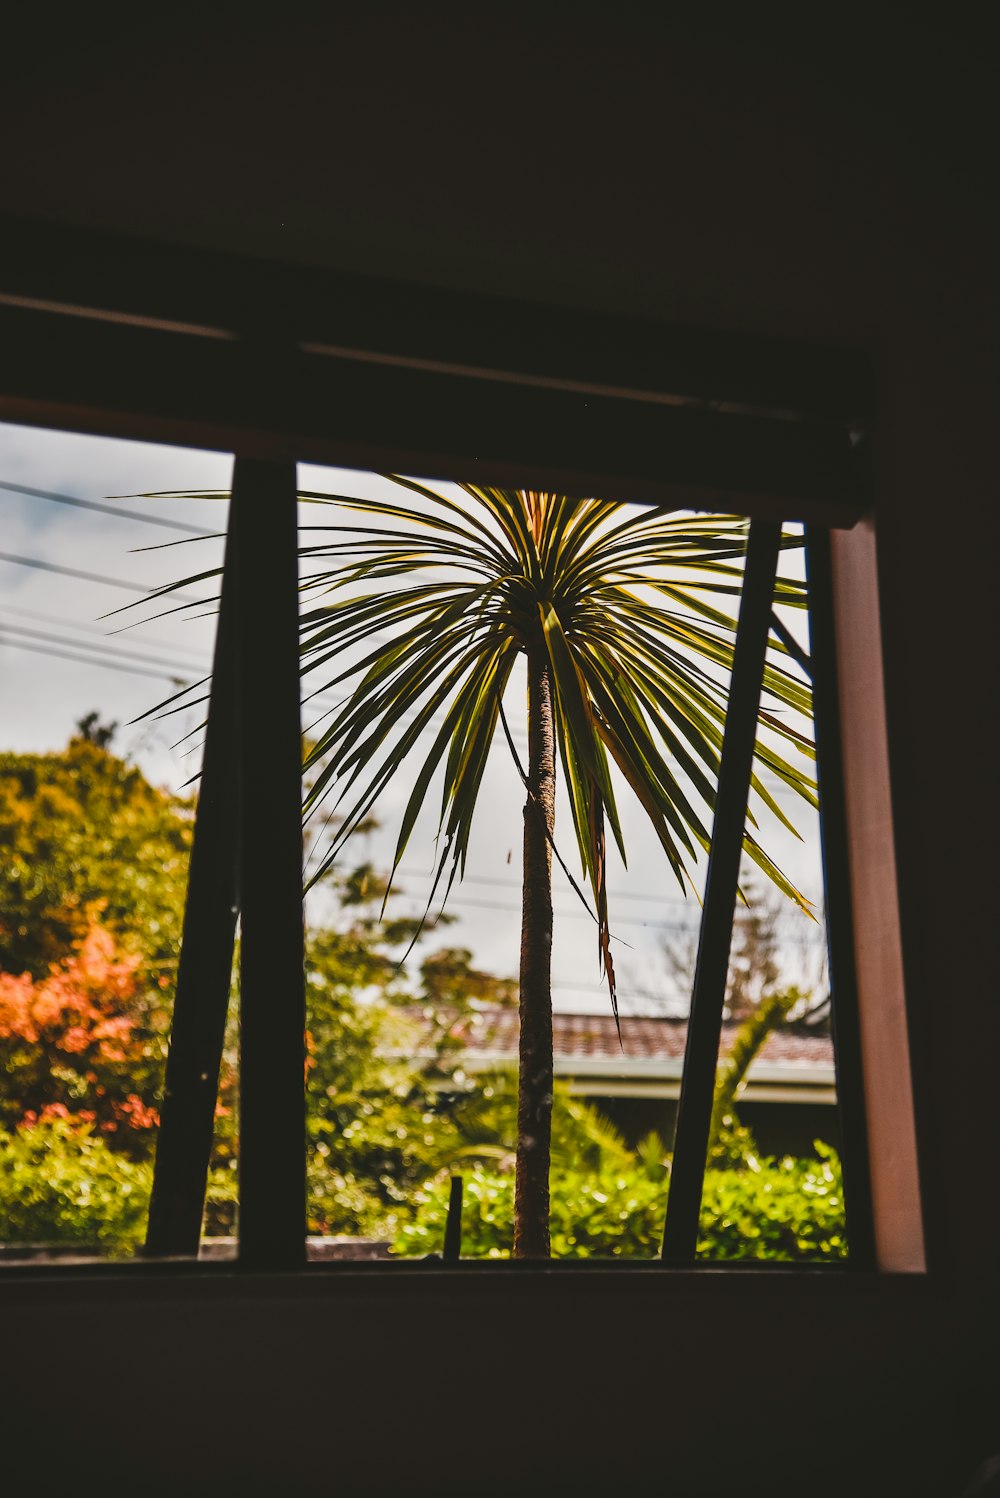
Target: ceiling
(608, 163)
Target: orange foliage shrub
(86, 1041)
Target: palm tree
(617, 615)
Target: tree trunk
(534, 1103)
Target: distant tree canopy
(91, 906)
(88, 841)
(448, 978)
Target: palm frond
(631, 610)
(417, 610)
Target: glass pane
(97, 802)
(773, 1185)
(413, 1050)
(411, 1047)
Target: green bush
(783, 1209)
(60, 1183)
(341, 1203)
(774, 1209)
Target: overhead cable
(91, 504)
(93, 577)
(81, 660)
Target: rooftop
(792, 1065)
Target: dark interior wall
(670, 170)
(838, 190)
(591, 1386)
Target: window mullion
(269, 761)
(839, 914)
(694, 1114)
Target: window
(142, 343)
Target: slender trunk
(534, 1104)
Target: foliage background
(778, 1209)
(92, 892)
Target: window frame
(113, 337)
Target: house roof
(642, 1037)
(792, 1064)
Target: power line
(90, 504)
(92, 577)
(110, 650)
(180, 669)
(37, 563)
(614, 897)
(674, 927)
(174, 671)
(82, 625)
(470, 902)
(407, 873)
(81, 660)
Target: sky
(65, 653)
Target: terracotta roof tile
(494, 1031)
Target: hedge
(786, 1209)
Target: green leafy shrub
(373, 1124)
(346, 1204)
(774, 1209)
(61, 1183)
(782, 1209)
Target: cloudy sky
(62, 657)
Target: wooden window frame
(116, 337)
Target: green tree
(728, 1139)
(378, 1115)
(616, 616)
(91, 898)
(372, 1118)
(448, 978)
(88, 840)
